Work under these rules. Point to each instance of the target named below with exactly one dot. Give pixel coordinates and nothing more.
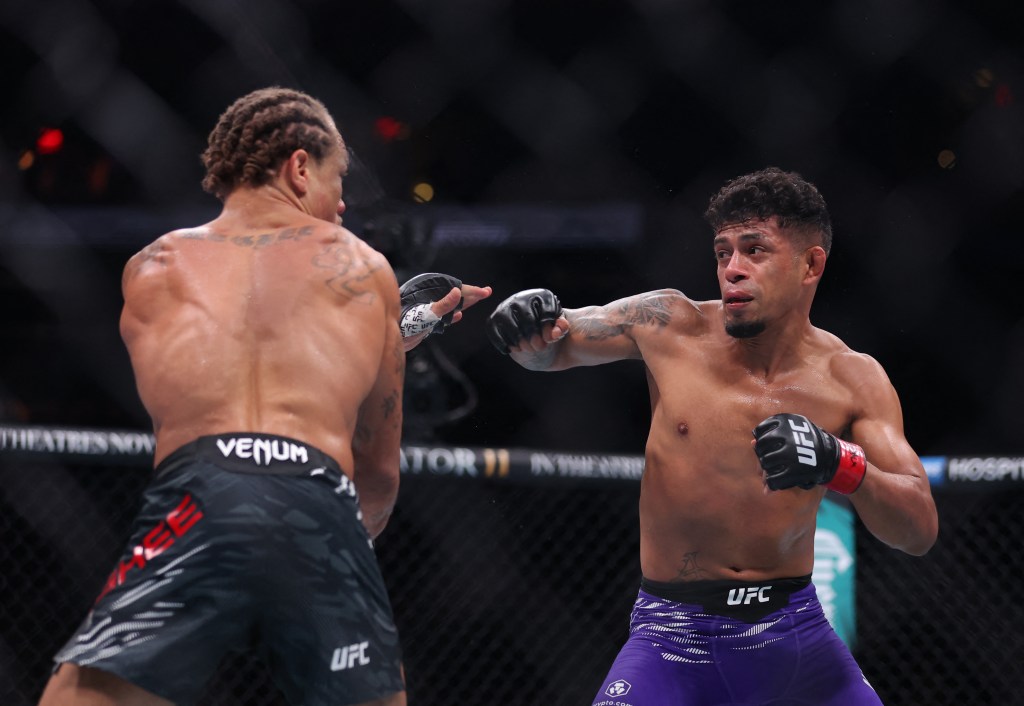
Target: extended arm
(433, 301)
(376, 446)
(538, 334)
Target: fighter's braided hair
(258, 132)
(769, 192)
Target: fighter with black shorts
(267, 349)
(246, 542)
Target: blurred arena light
(389, 129)
(422, 192)
(50, 140)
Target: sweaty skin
(272, 318)
(705, 512)
(285, 324)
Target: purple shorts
(710, 643)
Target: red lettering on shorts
(184, 516)
(138, 559)
(155, 542)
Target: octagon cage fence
(512, 573)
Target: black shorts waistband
(746, 600)
(248, 452)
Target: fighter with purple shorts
(733, 642)
(727, 521)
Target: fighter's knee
(60, 689)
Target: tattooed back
(279, 330)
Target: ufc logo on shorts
(743, 596)
(804, 446)
(349, 657)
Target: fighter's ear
(295, 171)
(813, 260)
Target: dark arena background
(568, 145)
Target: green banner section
(834, 564)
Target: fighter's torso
(276, 330)
(704, 513)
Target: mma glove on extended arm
(521, 316)
(417, 295)
(797, 453)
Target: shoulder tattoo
(139, 260)
(350, 274)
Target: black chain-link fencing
(518, 594)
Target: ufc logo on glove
(805, 449)
(795, 453)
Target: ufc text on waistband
(743, 600)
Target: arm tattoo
(390, 403)
(600, 323)
(363, 434)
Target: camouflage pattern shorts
(246, 542)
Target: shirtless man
(726, 613)
(266, 348)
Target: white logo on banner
(831, 559)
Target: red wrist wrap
(852, 467)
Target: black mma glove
(417, 296)
(521, 316)
(796, 453)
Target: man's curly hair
(770, 192)
(258, 132)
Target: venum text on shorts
(263, 451)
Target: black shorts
(246, 542)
